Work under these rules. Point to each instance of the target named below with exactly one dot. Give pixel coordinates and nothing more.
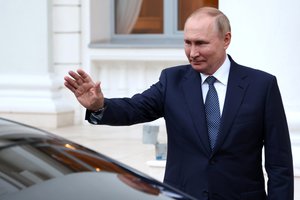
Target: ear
(227, 40)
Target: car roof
(73, 186)
(14, 129)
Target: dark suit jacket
(253, 117)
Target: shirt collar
(221, 74)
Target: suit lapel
(192, 91)
(237, 86)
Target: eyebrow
(196, 41)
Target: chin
(199, 68)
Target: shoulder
(178, 73)
(256, 72)
(250, 72)
(177, 69)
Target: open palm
(87, 92)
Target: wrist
(98, 109)
(97, 106)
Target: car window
(31, 162)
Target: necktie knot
(210, 80)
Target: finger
(77, 79)
(70, 87)
(71, 82)
(84, 75)
(75, 91)
(76, 76)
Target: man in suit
(213, 153)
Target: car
(36, 164)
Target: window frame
(171, 37)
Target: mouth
(197, 62)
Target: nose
(194, 52)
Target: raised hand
(87, 92)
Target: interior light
(70, 146)
(98, 169)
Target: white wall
(265, 36)
(24, 36)
(29, 88)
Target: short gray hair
(222, 22)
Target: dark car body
(35, 164)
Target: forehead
(200, 26)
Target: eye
(201, 42)
(187, 43)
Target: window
(139, 17)
(162, 17)
(186, 7)
(141, 23)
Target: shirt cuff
(96, 117)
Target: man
(216, 130)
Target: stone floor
(126, 145)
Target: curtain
(127, 12)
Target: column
(29, 87)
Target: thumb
(98, 87)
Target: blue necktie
(212, 110)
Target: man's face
(204, 47)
